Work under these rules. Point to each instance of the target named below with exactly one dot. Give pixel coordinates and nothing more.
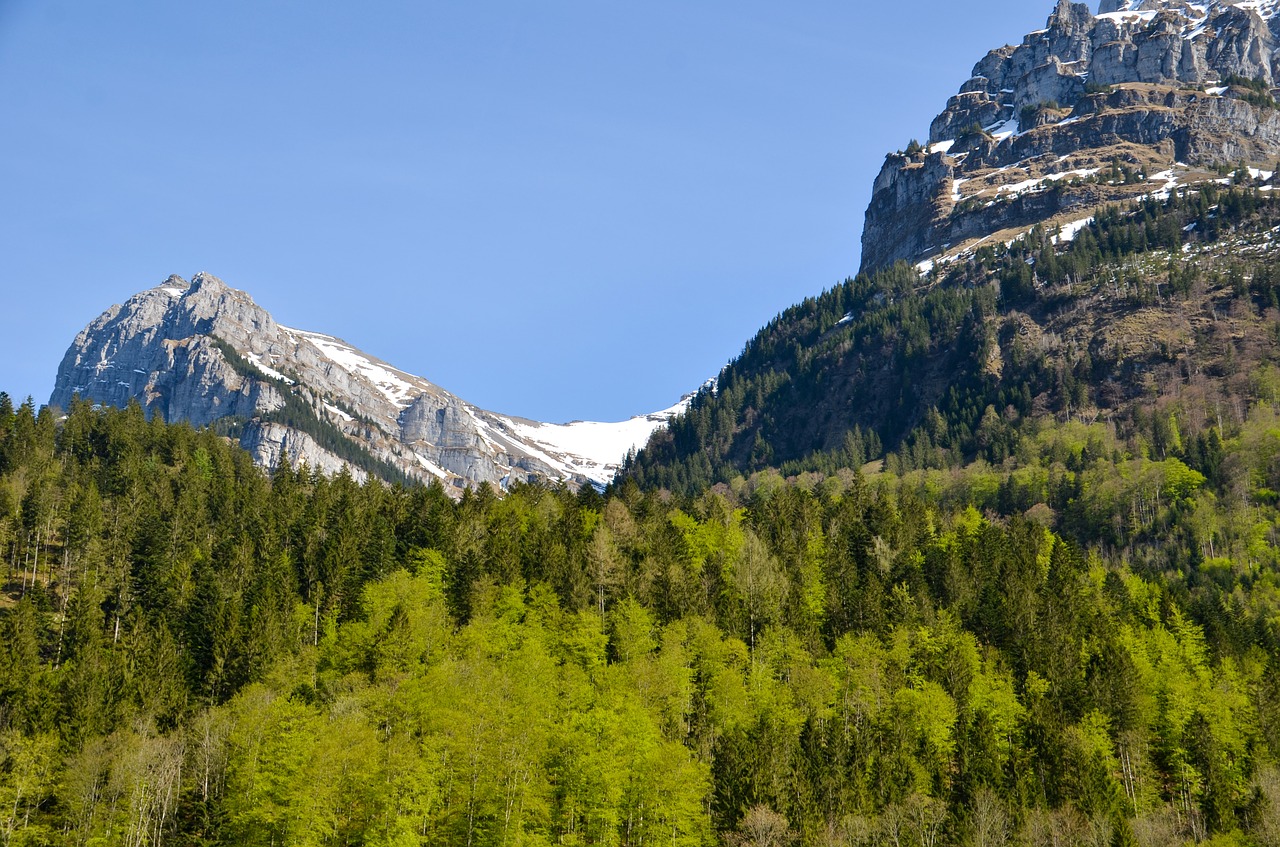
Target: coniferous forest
(196, 653)
(1034, 603)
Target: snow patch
(334, 410)
(591, 448)
(431, 467)
(1068, 232)
(1004, 130)
(1266, 9)
(257, 362)
(1129, 17)
(1195, 32)
(1170, 180)
(1019, 188)
(390, 382)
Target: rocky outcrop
(1147, 84)
(909, 205)
(449, 433)
(204, 352)
(273, 444)
(133, 352)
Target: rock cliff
(206, 353)
(1091, 109)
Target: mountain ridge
(206, 353)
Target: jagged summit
(1041, 131)
(204, 352)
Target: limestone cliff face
(1150, 85)
(148, 350)
(272, 444)
(204, 352)
(909, 204)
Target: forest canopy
(1078, 645)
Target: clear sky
(561, 209)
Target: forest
(1075, 641)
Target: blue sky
(561, 209)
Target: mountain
(1108, 258)
(1020, 584)
(1166, 90)
(206, 353)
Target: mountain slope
(1158, 319)
(206, 353)
(1149, 306)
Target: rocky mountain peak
(1043, 129)
(204, 352)
(1070, 19)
